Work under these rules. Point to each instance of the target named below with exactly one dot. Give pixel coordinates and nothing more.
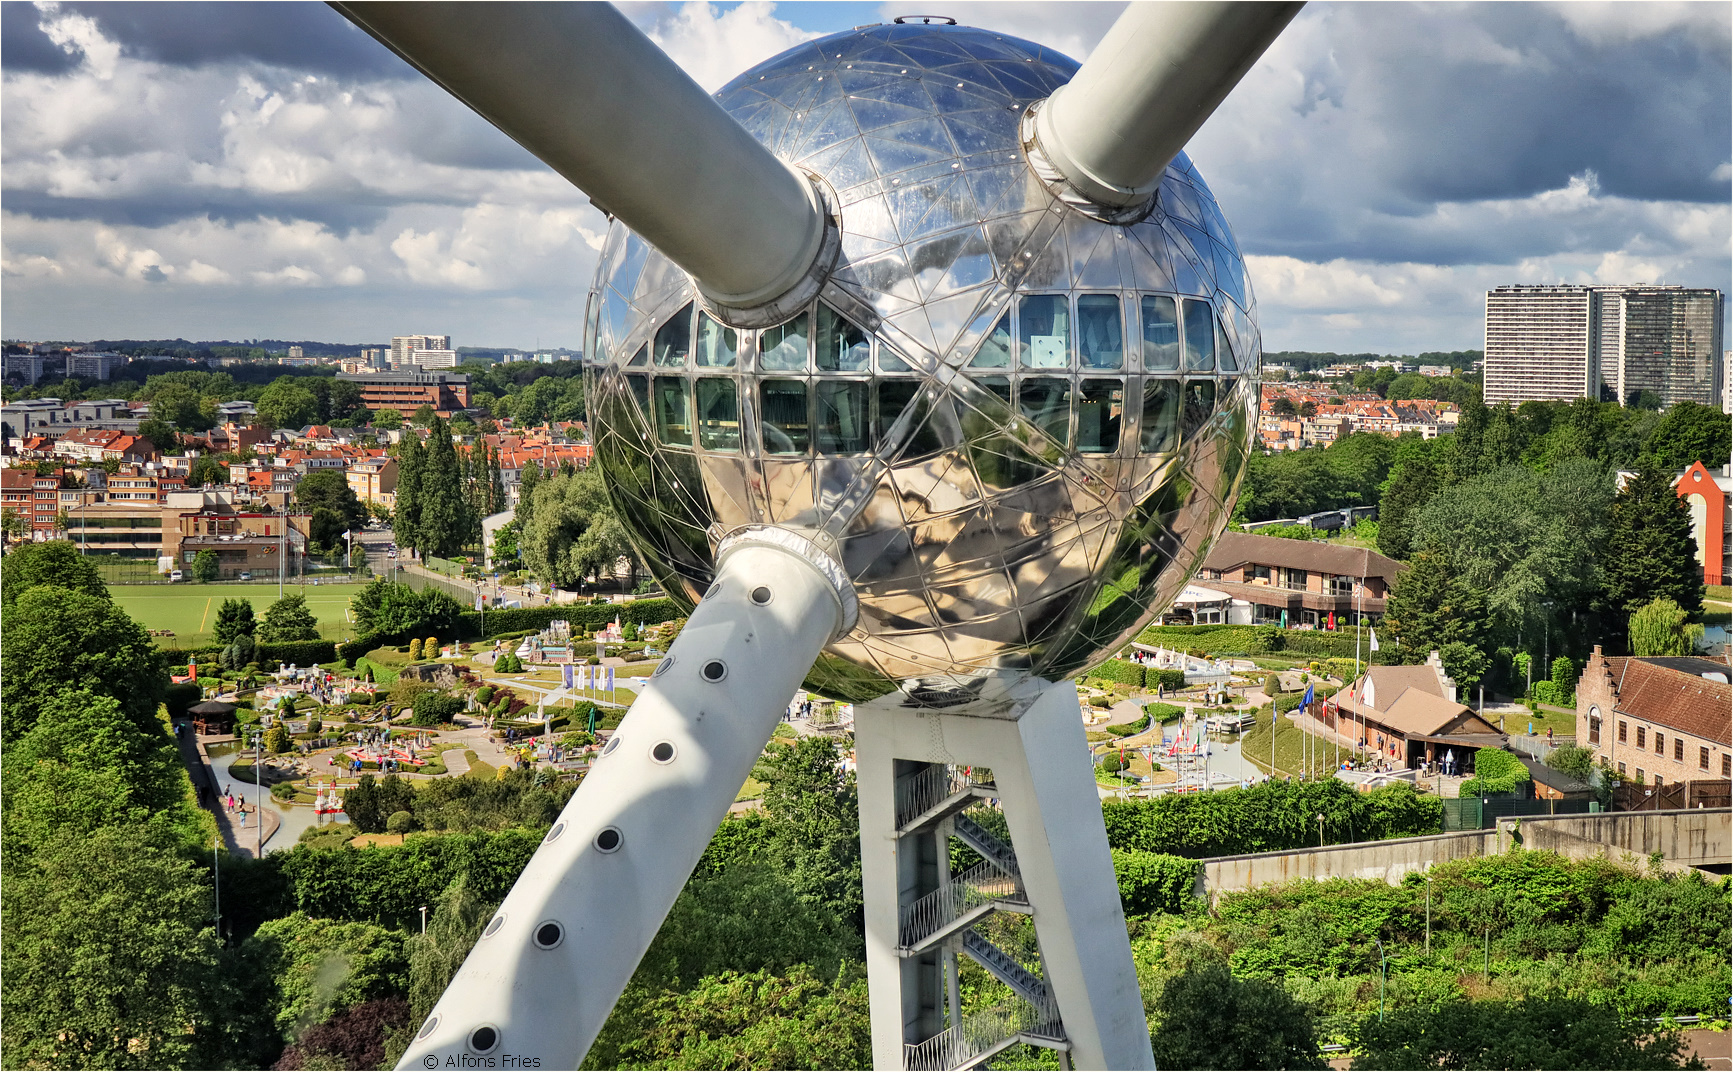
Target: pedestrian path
(456, 761)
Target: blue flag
(1307, 700)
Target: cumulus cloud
(713, 45)
(222, 169)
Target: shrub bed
(1129, 729)
(1495, 771)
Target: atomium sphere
(1022, 424)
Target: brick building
(1658, 721)
(1297, 582)
(407, 390)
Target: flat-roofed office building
(1547, 342)
(407, 390)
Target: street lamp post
(423, 919)
(1383, 970)
(1320, 830)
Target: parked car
(246, 575)
(175, 575)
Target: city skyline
(267, 170)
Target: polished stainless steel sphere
(1021, 420)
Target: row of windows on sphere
(1084, 332)
(846, 416)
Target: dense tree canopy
(1433, 607)
(389, 607)
(1522, 539)
(1348, 472)
(289, 619)
(55, 562)
(1692, 433)
(571, 532)
(85, 765)
(1207, 1018)
(329, 490)
(58, 640)
(235, 618)
(111, 961)
(1651, 553)
(287, 404)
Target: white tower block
(1042, 777)
(551, 963)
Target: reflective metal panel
(1021, 425)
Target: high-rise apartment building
(1561, 342)
(433, 359)
(403, 347)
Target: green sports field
(191, 609)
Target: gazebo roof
(211, 707)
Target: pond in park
(295, 818)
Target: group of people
(236, 806)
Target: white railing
(932, 787)
(980, 885)
(956, 1046)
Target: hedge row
(1247, 640)
(1495, 772)
(589, 616)
(1129, 729)
(1152, 882)
(386, 885)
(1137, 675)
(1121, 671)
(1165, 677)
(1267, 817)
(299, 652)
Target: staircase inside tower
(946, 915)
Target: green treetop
(1650, 553)
(406, 519)
(235, 618)
(56, 562)
(289, 619)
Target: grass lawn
(1291, 746)
(1560, 720)
(190, 610)
(752, 790)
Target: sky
(264, 170)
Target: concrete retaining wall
(1387, 861)
(1700, 836)
(1684, 838)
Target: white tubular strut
(551, 963)
(1157, 75)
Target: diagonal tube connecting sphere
(1157, 75)
(553, 960)
(580, 87)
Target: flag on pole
(584, 676)
(1306, 701)
(1374, 640)
(566, 674)
(610, 685)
